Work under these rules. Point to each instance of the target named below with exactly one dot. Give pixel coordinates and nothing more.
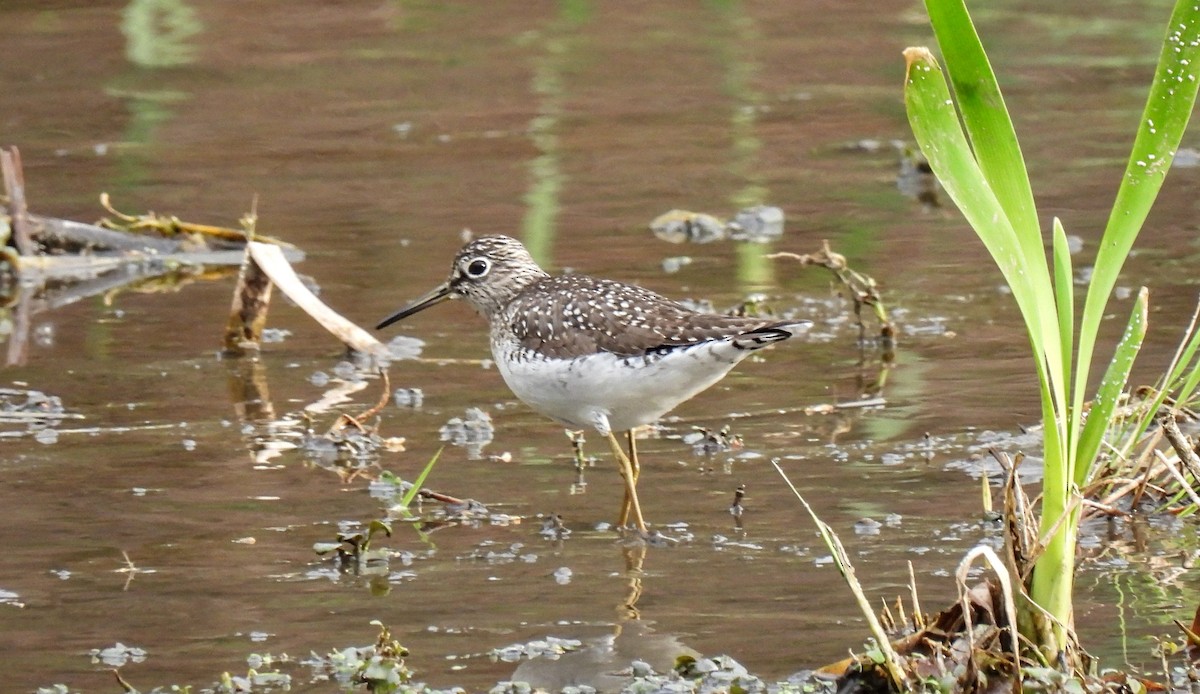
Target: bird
(595, 353)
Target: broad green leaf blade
(937, 130)
(376, 527)
(1099, 417)
(985, 116)
(1168, 108)
(994, 140)
(938, 133)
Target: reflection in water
(157, 32)
(157, 35)
(735, 52)
(607, 662)
(542, 198)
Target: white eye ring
(478, 267)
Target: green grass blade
(1168, 108)
(416, 488)
(1100, 416)
(1183, 376)
(984, 114)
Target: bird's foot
(648, 536)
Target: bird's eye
(478, 267)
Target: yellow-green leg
(629, 473)
(637, 473)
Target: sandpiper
(594, 353)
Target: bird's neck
(492, 304)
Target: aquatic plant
(973, 151)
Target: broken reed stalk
(14, 190)
(918, 617)
(1006, 590)
(891, 664)
(1179, 478)
(272, 261)
(1183, 447)
(263, 267)
(251, 299)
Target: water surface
(373, 135)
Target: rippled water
(372, 134)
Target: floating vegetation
(915, 177)
(380, 668)
(679, 226)
(548, 647)
(353, 549)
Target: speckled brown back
(575, 315)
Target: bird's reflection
(606, 661)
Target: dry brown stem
(862, 288)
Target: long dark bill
(436, 296)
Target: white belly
(608, 392)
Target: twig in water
(1178, 477)
(1183, 447)
(863, 290)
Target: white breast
(612, 393)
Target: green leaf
(1160, 130)
(941, 138)
(416, 488)
(377, 526)
(1100, 416)
(984, 114)
(1064, 292)
(936, 127)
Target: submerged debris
(472, 432)
(760, 223)
(675, 263)
(706, 442)
(553, 528)
(408, 397)
(915, 177)
(679, 226)
(32, 407)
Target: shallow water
(372, 135)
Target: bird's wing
(574, 315)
